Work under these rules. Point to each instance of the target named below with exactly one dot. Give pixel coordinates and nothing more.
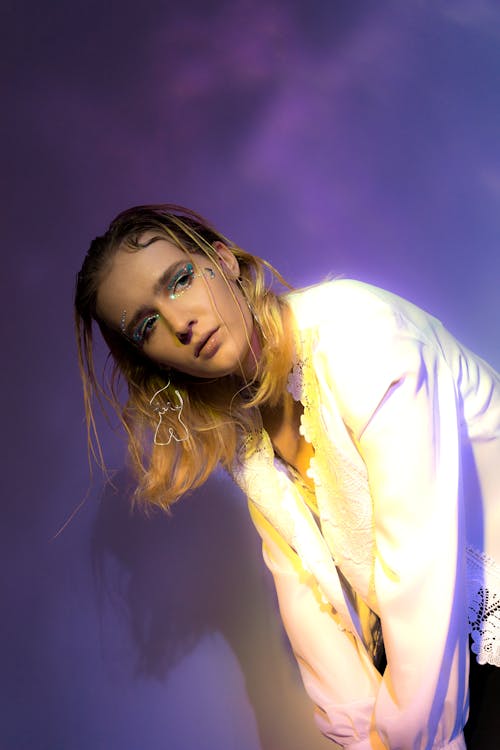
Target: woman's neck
(282, 424)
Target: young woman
(366, 438)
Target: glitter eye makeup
(141, 334)
(183, 278)
(181, 281)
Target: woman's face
(180, 309)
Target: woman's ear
(227, 259)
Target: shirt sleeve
(335, 668)
(398, 398)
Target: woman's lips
(209, 346)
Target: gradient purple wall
(360, 139)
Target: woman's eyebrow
(166, 275)
(158, 287)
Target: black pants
(482, 731)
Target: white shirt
(405, 426)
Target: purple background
(359, 139)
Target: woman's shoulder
(347, 304)
(359, 339)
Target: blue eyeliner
(187, 272)
(141, 332)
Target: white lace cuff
(483, 590)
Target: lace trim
(278, 498)
(342, 493)
(483, 588)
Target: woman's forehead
(150, 237)
(152, 249)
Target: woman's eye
(143, 330)
(181, 281)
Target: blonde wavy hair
(216, 413)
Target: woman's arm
(399, 400)
(336, 669)
(411, 448)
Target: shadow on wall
(197, 572)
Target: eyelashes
(181, 281)
(141, 334)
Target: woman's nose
(180, 322)
(185, 335)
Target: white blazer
(404, 520)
